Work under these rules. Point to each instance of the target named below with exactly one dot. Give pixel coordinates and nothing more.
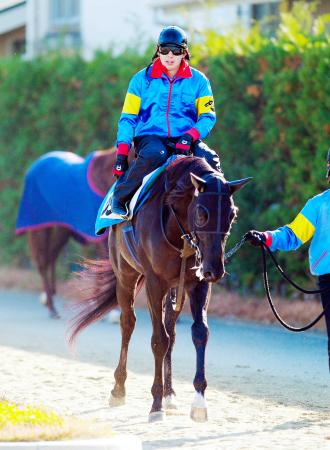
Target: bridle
(213, 211)
(213, 224)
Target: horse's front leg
(156, 291)
(171, 317)
(199, 294)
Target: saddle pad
(106, 219)
(58, 191)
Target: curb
(119, 442)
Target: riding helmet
(173, 36)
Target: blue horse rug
(59, 191)
(106, 219)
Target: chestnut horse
(47, 241)
(189, 195)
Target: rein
(285, 276)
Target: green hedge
(273, 106)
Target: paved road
(234, 347)
(250, 368)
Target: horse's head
(210, 217)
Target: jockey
(313, 222)
(167, 103)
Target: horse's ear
(238, 184)
(198, 182)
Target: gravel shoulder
(267, 389)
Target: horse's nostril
(207, 275)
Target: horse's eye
(201, 216)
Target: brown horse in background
(188, 196)
(47, 242)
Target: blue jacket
(313, 222)
(156, 105)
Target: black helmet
(328, 166)
(173, 36)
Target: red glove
(183, 146)
(121, 163)
(258, 238)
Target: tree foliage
(272, 100)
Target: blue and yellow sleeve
(206, 116)
(131, 108)
(296, 233)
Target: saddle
(106, 219)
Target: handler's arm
(293, 235)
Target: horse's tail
(97, 282)
(97, 286)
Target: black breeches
(324, 282)
(152, 152)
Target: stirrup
(121, 212)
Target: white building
(12, 27)
(35, 26)
(87, 25)
(219, 15)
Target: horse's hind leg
(39, 248)
(41, 242)
(171, 317)
(199, 294)
(159, 343)
(59, 238)
(125, 297)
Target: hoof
(170, 402)
(53, 314)
(158, 416)
(116, 401)
(43, 298)
(198, 414)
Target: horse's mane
(175, 181)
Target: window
(63, 41)
(64, 11)
(264, 10)
(268, 15)
(64, 30)
(18, 47)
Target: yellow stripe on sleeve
(205, 105)
(132, 104)
(302, 228)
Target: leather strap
(185, 253)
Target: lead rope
(269, 298)
(267, 289)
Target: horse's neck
(101, 170)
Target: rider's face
(170, 61)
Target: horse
(191, 200)
(47, 238)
